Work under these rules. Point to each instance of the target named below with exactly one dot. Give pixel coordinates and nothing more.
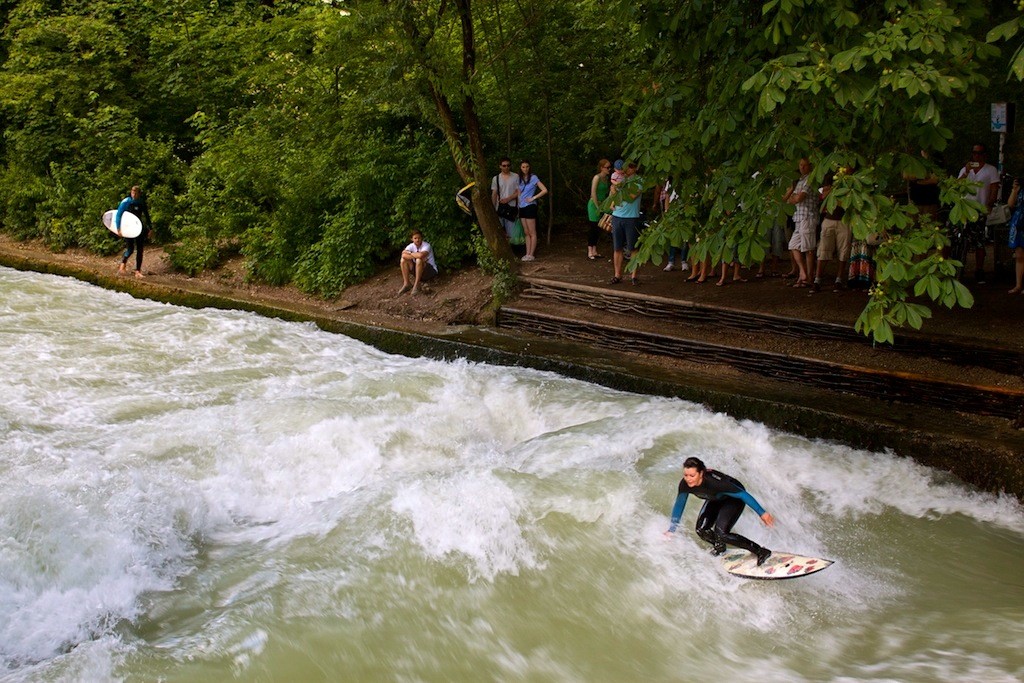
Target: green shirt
(604, 186)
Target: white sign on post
(1000, 118)
(1002, 121)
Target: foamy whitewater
(208, 496)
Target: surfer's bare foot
(404, 289)
(415, 290)
(762, 555)
(138, 274)
(120, 268)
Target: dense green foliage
(745, 89)
(312, 135)
(299, 133)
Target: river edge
(984, 452)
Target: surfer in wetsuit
(133, 204)
(724, 498)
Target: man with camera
(986, 178)
(504, 187)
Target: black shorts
(528, 211)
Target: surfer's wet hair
(695, 463)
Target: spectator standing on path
(782, 233)
(625, 220)
(805, 220)
(986, 178)
(861, 274)
(779, 236)
(836, 239)
(1016, 242)
(600, 186)
(418, 264)
(735, 263)
(666, 195)
(134, 204)
(530, 190)
(701, 270)
(504, 187)
(924, 192)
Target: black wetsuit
(136, 244)
(724, 499)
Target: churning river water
(207, 495)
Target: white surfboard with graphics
(779, 566)
(131, 226)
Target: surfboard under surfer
(134, 204)
(724, 499)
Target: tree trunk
(475, 170)
(471, 163)
(486, 216)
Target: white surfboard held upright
(131, 226)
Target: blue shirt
(628, 208)
(528, 189)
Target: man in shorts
(805, 220)
(835, 242)
(625, 220)
(418, 265)
(986, 178)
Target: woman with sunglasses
(600, 186)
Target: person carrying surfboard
(135, 205)
(724, 498)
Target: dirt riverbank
(458, 298)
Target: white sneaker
(527, 258)
(684, 266)
(669, 268)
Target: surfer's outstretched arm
(677, 512)
(752, 503)
(748, 499)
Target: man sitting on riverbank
(417, 264)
